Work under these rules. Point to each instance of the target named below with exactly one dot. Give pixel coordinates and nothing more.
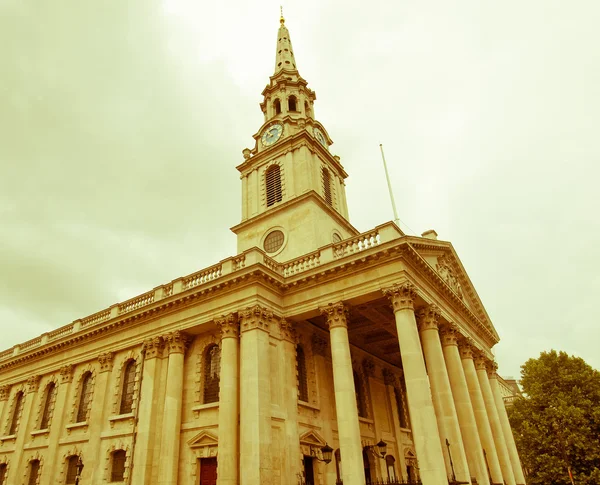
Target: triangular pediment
(312, 438)
(204, 438)
(446, 265)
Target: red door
(208, 471)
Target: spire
(284, 58)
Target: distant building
(510, 390)
(314, 342)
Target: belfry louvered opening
(327, 187)
(273, 183)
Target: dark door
(208, 471)
(309, 472)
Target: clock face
(321, 137)
(272, 134)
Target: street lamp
(326, 452)
(79, 470)
(381, 449)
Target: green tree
(557, 423)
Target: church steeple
(293, 191)
(284, 58)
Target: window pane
(2, 473)
(128, 388)
(212, 374)
(72, 469)
(34, 470)
(118, 466)
(302, 377)
(14, 423)
(86, 395)
(273, 182)
(50, 395)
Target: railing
(327, 254)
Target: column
(345, 395)
(98, 413)
(56, 425)
(229, 402)
(464, 408)
(17, 464)
(141, 472)
(422, 413)
(443, 402)
(292, 454)
(168, 467)
(506, 429)
(497, 433)
(481, 417)
(255, 395)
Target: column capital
(480, 362)
(389, 378)
(466, 346)
(255, 317)
(402, 296)
(337, 315)
(428, 318)
(66, 373)
(33, 383)
(449, 334)
(176, 342)
(287, 331)
(369, 367)
(4, 392)
(319, 345)
(492, 369)
(228, 325)
(153, 347)
(106, 361)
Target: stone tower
(293, 192)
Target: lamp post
(451, 463)
(326, 452)
(79, 470)
(381, 449)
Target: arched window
(327, 187)
(390, 464)
(273, 182)
(16, 414)
(277, 106)
(306, 108)
(72, 469)
(2, 473)
(127, 388)
(402, 415)
(338, 466)
(361, 402)
(85, 397)
(34, 471)
(292, 103)
(49, 397)
(302, 376)
(212, 373)
(117, 471)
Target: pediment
(442, 258)
(312, 438)
(204, 438)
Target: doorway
(309, 472)
(208, 471)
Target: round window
(336, 238)
(273, 241)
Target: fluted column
(141, 473)
(443, 402)
(345, 395)
(464, 408)
(422, 413)
(292, 456)
(176, 343)
(255, 395)
(497, 433)
(506, 429)
(229, 402)
(481, 416)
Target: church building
(317, 355)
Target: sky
(121, 124)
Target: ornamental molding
(176, 342)
(256, 317)
(228, 325)
(153, 347)
(106, 361)
(66, 373)
(336, 315)
(4, 392)
(449, 334)
(428, 318)
(368, 367)
(287, 331)
(33, 383)
(401, 296)
(389, 377)
(446, 272)
(466, 347)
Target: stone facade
(241, 373)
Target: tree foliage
(557, 423)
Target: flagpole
(387, 176)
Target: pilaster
(426, 434)
(255, 393)
(25, 424)
(345, 394)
